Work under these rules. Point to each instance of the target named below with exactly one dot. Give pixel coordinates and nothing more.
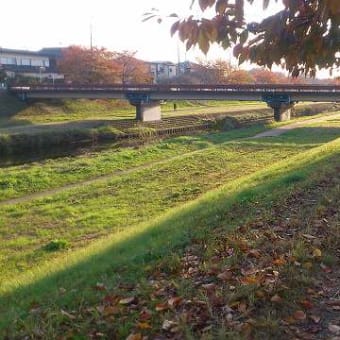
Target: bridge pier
(146, 110)
(281, 104)
(282, 112)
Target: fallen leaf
(276, 298)
(317, 253)
(111, 310)
(160, 307)
(135, 336)
(144, 325)
(209, 286)
(325, 268)
(254, 253)
(306, 304)
(145, 314)
(299, 315)
(315, 318)
(168, 324)
(175, 301)
(127, 301)
(309, 237)
(334, 329)
(280, 261)
(333, 303)
(70, 316)
(225, 276)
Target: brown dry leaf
(127, 301)
(70, 316)
(254, 253)
(110, 310)
(242, 307)
(306, 304)
(299, 315)
(160, 307)
(309, 237)
(317, 253)
(333, 303)
(279, 262)
(209, 286)
(145, 314)
(225, 276)
(144, 325)
(251, 279)
(168, 325)
(334, 329)
(175, 301)
(135, 336)
(276, 298)
(315, 318)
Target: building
(163, 70)
(41, 65)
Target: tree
(240, 77)
(264, 76)
(86, 66)
(212, 72)
(302, 37)
(131, 69)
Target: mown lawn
(127, 208)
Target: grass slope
(81, 214)
(70, 283)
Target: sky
(116, 25)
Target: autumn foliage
(302, 37)
(100, 66)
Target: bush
(56, 245)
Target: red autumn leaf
(306, 304)
(175, 301)
(299, 315)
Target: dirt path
(283, 129)
(271, 133)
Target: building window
(37, 62)
(25, 62)
(8, 61)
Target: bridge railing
(287, 88)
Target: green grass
(14, 113)
(68, 281)
(84, 213)
(16, 181)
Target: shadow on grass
(125, 256)
(9, 108)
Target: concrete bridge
(147, 98)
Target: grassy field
(52, 261)
(15, 113)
